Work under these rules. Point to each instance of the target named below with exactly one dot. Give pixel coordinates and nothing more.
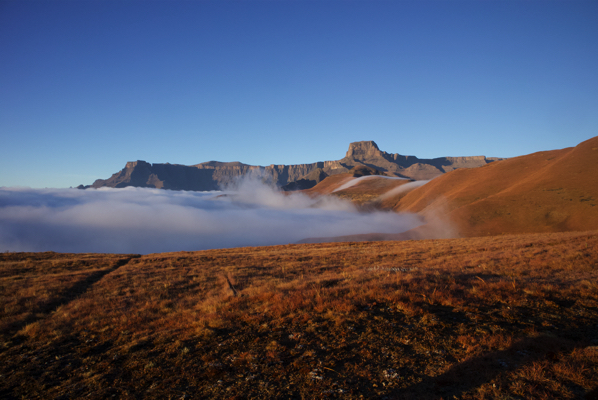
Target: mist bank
(144, 220)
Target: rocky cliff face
(214, 175)
(168, 176)
(367, 153)
(364, 150)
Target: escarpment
(214, 175)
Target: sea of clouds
(141, 220)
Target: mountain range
(547, 191)
(214, 175)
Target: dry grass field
(508, 317)
(548, 191)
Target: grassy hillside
(366, 192)
(480, 318)
(549, 191)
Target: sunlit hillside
(549, 191)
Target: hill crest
(547, 191)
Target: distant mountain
(214, 175)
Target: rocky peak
(132, 164)
(364, 149)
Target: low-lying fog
(137, 220)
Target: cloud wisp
(403, 188)
(355, 181)
(140, 220)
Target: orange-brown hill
(548, 191)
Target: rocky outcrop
(364, 150)
(214, 175)
(307, 182)
(362, 170)
(169, 176)
(367, 153)
(284, 174)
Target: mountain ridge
(214, 175)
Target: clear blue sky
(86, 86)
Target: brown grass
(549, 191)
(34, 284)
(500, 317)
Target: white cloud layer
(137, 220)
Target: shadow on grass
(63, 298)
(477, 371)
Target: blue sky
(87, 86)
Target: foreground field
(496, 317)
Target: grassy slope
(501, 317)
(366, 192)
(548, 191)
